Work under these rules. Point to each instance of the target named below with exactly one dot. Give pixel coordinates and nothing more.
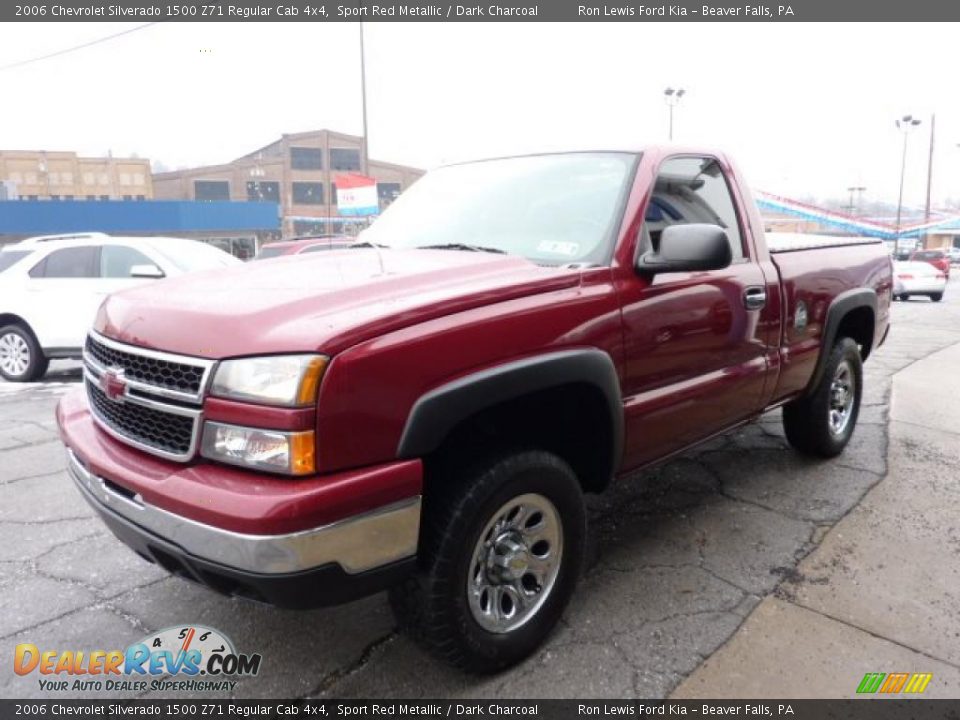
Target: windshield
(190, 256)
(551, 209)
(9, 258)
(268, 252)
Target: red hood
(325, 303)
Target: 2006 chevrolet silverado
(424, 412)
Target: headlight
(286, 452)
(288, 380)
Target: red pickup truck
(424, 411)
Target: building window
(344, 159)
(333, 193)
(128, 197)
(66, 178)
(305, 193)
(138, 178)
(104, 197)
(141, 197)
(91, 197)
(263, 191)
(68, 197)
(211, 190)
(304, 158)
(55, 197)
(124, 179)
(387, 193)
(103, 179)
(53, 178)
(31, 197)
(89, 178)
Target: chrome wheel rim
(14, 354)
(515, 563)
(842, 395)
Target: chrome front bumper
(357, 544)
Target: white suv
(52, 286)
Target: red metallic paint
(261, 416)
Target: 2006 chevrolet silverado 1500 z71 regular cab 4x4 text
(424, 411)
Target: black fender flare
(440, 410)
(842, 304)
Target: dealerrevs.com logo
(187, 658)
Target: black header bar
(484, 11)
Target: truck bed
(812, 277)
(778, 242)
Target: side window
(73, 262)
(691, 190)
(116, 261)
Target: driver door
(694, 356)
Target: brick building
(298, 171)
(59, 175)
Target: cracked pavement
(682, 560)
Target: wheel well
(11, 319)
(572, 421)
(858, 325)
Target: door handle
(755, 298)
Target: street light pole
(904, 124)
(672, 97)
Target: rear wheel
(936, 297)
(823, 422)
(500, 554)
(21, 359)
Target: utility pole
(854, 206)
(926, 210)
(363, 93)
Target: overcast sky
(806, 109)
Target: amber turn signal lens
(310, 382)
(303, 459)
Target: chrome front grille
(145, 398)
(159, 370)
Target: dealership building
(297, 172)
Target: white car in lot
(52, 286)
(918, 278)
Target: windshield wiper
(367, 244)
(462, 246)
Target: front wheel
(500, 555)
(822, 423)
(936, 297)
(21, 359)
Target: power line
(28, 61)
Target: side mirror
(688, 248)
(146, 271)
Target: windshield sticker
(556, 247)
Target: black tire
(433, 606)
(936, 297)
(807, 421)
(18, 340)
(904, 297)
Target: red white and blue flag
(356, 194)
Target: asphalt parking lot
(681, 558)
